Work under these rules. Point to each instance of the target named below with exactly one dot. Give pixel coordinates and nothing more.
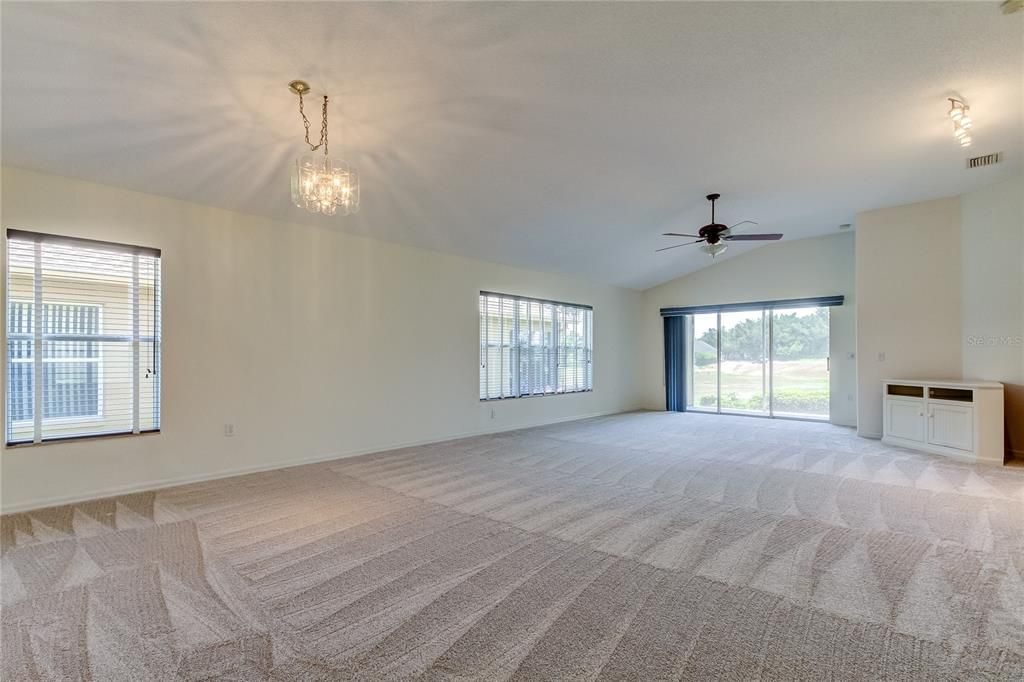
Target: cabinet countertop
(946, 383)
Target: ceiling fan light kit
(961, 121)
(714, 249)
(321, 184)
(715, 235)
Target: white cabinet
(905, 418)
(951, 426)
(960, 419)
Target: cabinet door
(904, 418)
(951, 426)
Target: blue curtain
(675, 363)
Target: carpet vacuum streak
(646, 546)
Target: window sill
(535, 395)
(79, 439)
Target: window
(97, 334)
(533, 347)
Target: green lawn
(800, 386)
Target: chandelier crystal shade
(321, 184)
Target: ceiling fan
(714, 235)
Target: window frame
(136, 339)
(557, 352)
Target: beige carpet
(647, 546)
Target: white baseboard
(145, 486)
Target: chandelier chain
(323, 128)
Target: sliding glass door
(800, 362)
(764, 362)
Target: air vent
(987, 160)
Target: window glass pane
(800, 381)
(588, 349)
(504, 354)
(702, 384)
(550, 359)
(96, 284)
(744, 375)
(20, 368)
(20, 341)
(483, 347)
(71, 380)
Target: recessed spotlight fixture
(961, 121)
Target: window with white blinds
(531, 347)
(83, 338)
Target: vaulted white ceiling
(562, 137)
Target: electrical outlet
(881, 357)
(492, 413)
(229, 430)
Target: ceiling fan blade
(753, 237)
(743, 222)
(677, 246)
(678, 234)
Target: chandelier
(321, 184)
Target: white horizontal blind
(534, 347)
(83, 338)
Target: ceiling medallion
(321, 184)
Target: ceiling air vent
(987, 160)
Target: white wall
(992, 260)
(821, 266)
(908, 300)
(313, 343)
(940, 291)
(300, 336)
